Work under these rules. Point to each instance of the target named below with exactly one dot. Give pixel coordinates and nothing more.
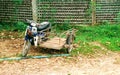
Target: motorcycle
(35, 33)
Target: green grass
(12, 30)
(19, 26)
(106, 35)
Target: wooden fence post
(93, 12)
(34, 10)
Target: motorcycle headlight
(34, 30)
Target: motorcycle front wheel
(26, 48)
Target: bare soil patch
(105, 65)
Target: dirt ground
(104, 65)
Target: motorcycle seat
(43, 26)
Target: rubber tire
(69, 48)
(69, 42)
(26, 48)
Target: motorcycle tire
(26, 48)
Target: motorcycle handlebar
(31, 21)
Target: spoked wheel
(69, 42)
(26, 48)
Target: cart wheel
(26, 48)
(69, 42)
(70, 47)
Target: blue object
(33, 57)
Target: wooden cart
(58, 43)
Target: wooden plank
(54, 43)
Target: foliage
(118, 17)
(12, 30)
(15, 10)
(19, 26)
(105, 22)
(62, 27)
(59, 0)
(108, 35)
(17, 2)
(88, 12)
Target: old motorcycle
(34, 34)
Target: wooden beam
(34, 10)
(93, 12)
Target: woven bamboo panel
(58, 11)
(14, 11)
(107, 10)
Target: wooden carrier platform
(54, 43)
